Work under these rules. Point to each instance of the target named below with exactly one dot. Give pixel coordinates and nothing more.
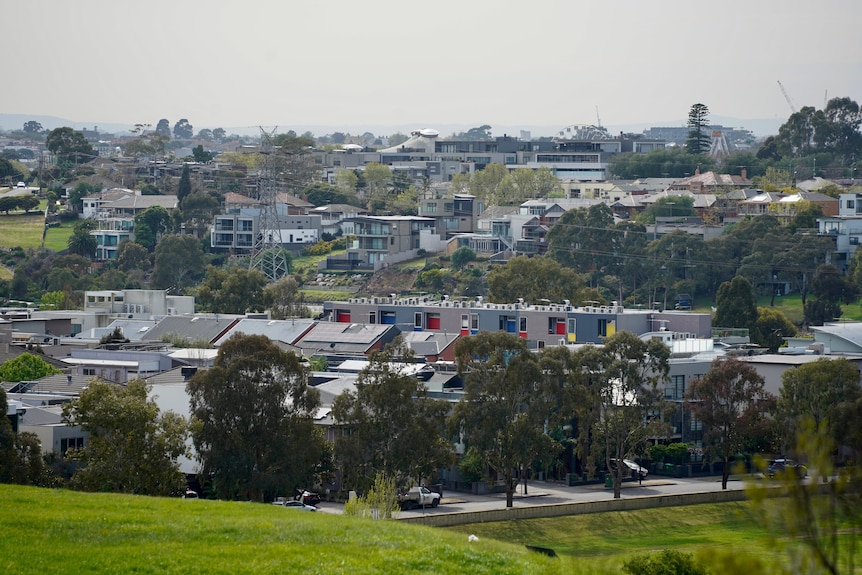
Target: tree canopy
(253, 421)
(505, 405)
(132, 447)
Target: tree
(771, 328)
(133, 256)
(253, 421)
(831, 289)
(729, 400)
(150, 225)
(480, 133)
(629, 395)
(698, 141)
(392, 426)
(735, 305)
(200, 155)
(219, 134)
(163, 127)
(817, 391)
(183, 130)
(378, 182)
(32, 127)
(813, 524)
(82, 242)
(149, 145)
(462, 256)
(179, 263)
(284, 299)
(535, 279)
(20, 454)
(26, 367)
(132, 447)
(505, 405)
(185, 186)
(69, 145)
(234, 291)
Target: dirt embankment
(389, 280)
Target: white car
(291, 504)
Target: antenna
(786, 96)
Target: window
(430, 207)
(372, 317)
(417, 320)
(676, 390)
(68, 443)
(474, 322)
(89, 371)
(603, 327)
(522, 324)
(572, 325)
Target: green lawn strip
(319, 296)
(48, 531)
(605, 539)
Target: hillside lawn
(59, 531)
(54, 530)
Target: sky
(372, 64)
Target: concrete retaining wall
(563, 509)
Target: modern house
(382, 240)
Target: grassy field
(601, 542)
(23, 230)
(57, 531)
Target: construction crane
(598, 118)
(786, 96)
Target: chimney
(744, 174)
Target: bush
(666, 562)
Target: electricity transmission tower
(268, 253)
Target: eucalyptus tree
(505, 407)
(630, 395)
(390, 425)
(730, 400)
(253, 421)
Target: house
(114, 211)
(383, 240)
(453, 215)
(332, 216)
(239, 228)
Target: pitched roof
(284, 330)
(192, 328)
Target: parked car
(293, 504)
(307, 497)
(418, 497)
(783, 465)
(635, 470)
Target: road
(547, 493)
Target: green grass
(58, 531)
(322, 295)
(605, 540)
(24, 230)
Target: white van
(22, 185)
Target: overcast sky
(374, 63)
